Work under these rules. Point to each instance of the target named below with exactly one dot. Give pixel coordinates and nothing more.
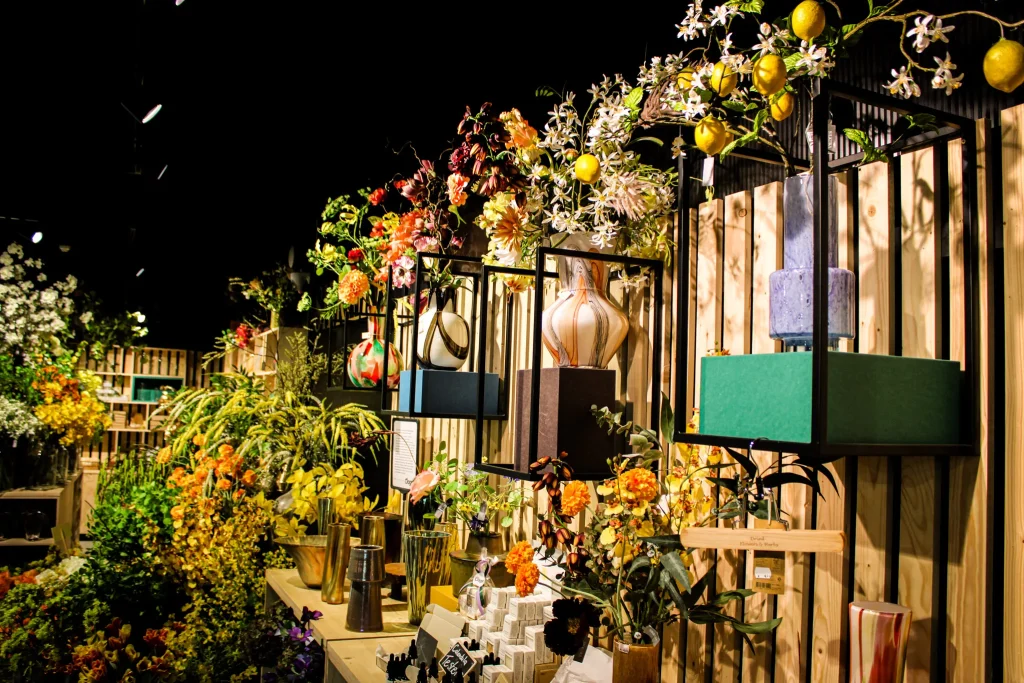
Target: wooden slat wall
(736, 242)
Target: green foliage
(861, 139)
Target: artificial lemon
(769, 75)
(723, 79)
(808, 20)
(711, 136)
(1004, 65)
(684, 81)
(783, 106)
(588, 169)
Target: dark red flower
(355, 254)
(377, 196)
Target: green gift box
(871, 399)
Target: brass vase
(332, 586)
(426, 559)
(452, 529)
(633, 663)
(308, 554)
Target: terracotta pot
(464, 561)
(635, 663)
(583, 328)
(442, 341)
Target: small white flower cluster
(31, 319)
(772, 38)
(628, 195)
(944, 79)
(926, 29)
(17, 420)
(903, 84)
(813, 60)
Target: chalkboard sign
(457, 662)
(426, 646)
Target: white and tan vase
(878, 641)
(583, 328)
(443, 335)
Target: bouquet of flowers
(273, 290)
(33, 316)
(581, 177)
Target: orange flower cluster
(410, 225)
(522, 134)
(575, 498)
(8, 581)
(55, 386)
(226, 469)
(639, 482)
(353, 287)
(519, 561)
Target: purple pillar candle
(791, 290)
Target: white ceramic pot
(442, 341)
(583, 328)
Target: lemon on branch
(782, 106)
(1004, 65)
(769, 75)
(723, 79)
(808, 20)
(711, 136)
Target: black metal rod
(481, 371)
(819, 335)
(656, 369)
(875, 99)
(682, 300)
(385, 403)
(538, 305)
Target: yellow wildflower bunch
(69, 406)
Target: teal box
(871, 399)
(448, 392)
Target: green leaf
(673, 564)
(861, 139)
(779, 478)
(752, 6)
(791, 61)
(743, 460)
(632, 100)
(506, 522)
(756, 627)
(668, 584)
(732, 484)
(733, 105)
(545, 91)
(647, 138)
(925, 122)
(668, 419)
(728, 596)
(664, 542)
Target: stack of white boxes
(513, 630)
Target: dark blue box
(447, 392)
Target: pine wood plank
(708, 334)
(829, 594)
(691, 322)
(767, 258)
(920, 259)
(790, 643)
(874, 329)
(1013, 512)
(968, 490)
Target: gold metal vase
(332, 587)
(452, 529)
(426, 562)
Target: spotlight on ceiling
(162, 171)
(37, 237)
(151, 114)
(178, 2)
(65, 248)
(141, 271)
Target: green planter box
(871, 399)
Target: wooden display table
(284, 585)
(356, 661)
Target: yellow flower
(605, 489)
(611, 510)
(163, 456)
(575, 498)
(646, 529)
(329, 252)
(607, 536)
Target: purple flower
(295, 633)
(310, 616)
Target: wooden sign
(793, 541)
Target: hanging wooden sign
(793, 541)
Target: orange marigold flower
(237, 495)
(520, 554)
(249, 478)
(223, 484)
(353, 287)
(225, 450)
(200, 475)
(163, 456)
(178, 512)
(199, 440)
(640, 482)
(526, 579)
(575, 498)
(201, 455)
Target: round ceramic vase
(366, 361)
(443, 335)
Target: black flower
(570, 629)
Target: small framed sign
(405, 450)
(457, 662)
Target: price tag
(707, 178)
(457, 662)
(769, 565)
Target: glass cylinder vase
(426, 560)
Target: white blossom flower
(944, 79)
(903, 84)
(926, 29)
(726, 44)
(695, 24)
(813, 60)
(677, 148)
(85, 318)
(720, 14)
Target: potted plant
(464, 495)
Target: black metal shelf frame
(412, 320)
(539, 274)
(349, 317)
(951, 127)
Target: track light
(162, 171)
(37, 237)
(141, 271)
(150, 115)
